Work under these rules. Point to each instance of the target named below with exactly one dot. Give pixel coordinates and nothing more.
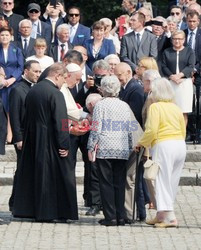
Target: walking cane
(138, 159)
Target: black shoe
(109, 223)
(93, 211)
(128, 221)
(121, 222)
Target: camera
(97, 80)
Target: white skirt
(184, 95)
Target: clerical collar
(31, 83)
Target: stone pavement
(88, 234)
(191, 174)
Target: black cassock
(46, 187)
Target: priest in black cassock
(46, 187)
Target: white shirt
(73, 30)
(59, 50)
(23, 42)
(44, 61)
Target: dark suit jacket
(17, 108)
(53, 50)
(30, 49)
(59, 21)
(131, 54)
(163, 43)
(197, 48)
(82, 34)
(13, 22)
(133, 95)
(45, 32)
(107, 48)
(186, 61)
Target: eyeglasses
(33, 11)
(71, 15)
(7, 3)
(174, 13)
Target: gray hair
(106, 21)
(111, 56)
(171, 19)
(162, 90)
(23, 21)
(93, 99)
(110, 86)
(101, 64)
(63, 26)
(150, 75)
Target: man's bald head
(124, 73)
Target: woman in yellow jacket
(165, 132)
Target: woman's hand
(90, 157)
(177, 78)
(137, 148)
(10, 81)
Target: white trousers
(170, 155)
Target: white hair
(25, 20)
(162, 90)
(150, 75)
(106, 21)
(93, 99)
(101, 64)
(111, 56)
(73, 67)
(110, 86)
(63, 26)
(171, 19)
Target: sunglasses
(174, 13)
(7, 3)
(33, 11)
(71, 15)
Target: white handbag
(151, 169)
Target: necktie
(190, 41)
(25, 46)
(62, 52)
(137, 37)
(72, 33)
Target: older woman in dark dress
(178, 65)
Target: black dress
(46, 188)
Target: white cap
(73, 67)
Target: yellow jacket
(165, 121)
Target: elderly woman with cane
(112, 128)
(165, 132)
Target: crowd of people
(110, 91)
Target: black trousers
(94, 187)
(81, 142)
(112, 179)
